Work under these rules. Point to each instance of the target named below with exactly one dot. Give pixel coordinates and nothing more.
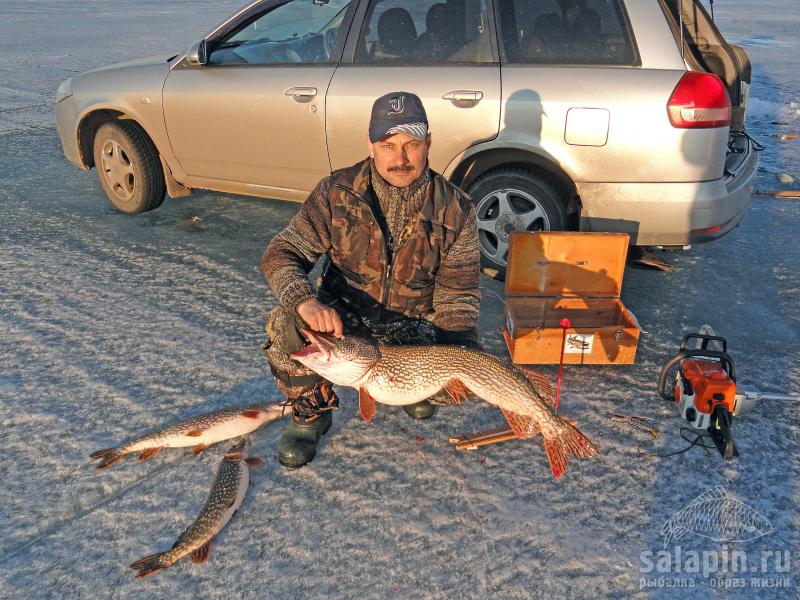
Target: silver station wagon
(595, 115)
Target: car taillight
(699, 100)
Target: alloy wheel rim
(502, 211)
(118, 170)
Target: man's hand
(320, 317)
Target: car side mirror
(196, 53)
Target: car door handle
(301, 92)
(463, 96)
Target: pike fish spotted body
(227, 493)
(400, 375)
(200, 432)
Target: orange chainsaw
(705, 390)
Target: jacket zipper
(387, 241)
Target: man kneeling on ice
(402, 265)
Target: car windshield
(335, 22)
(295, 31)
(290, 21)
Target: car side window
(425, 31)
(579, 32)
(297, 31)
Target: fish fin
(252, 414)
(201, 554)
(254, 461)
(198, 449)
(568, 441)
(194, 433)
(234, 456)
(673, 534)
(715, 493)
(232, 502)
(108, 457)
(150, 452)
(149, 564)
(366, 404)
(102, 453)
(679, 533)
(556, 456)
(457, 390)
(542, 383)
(523, 427)
(577, 443)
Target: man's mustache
(400, 168)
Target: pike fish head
(343, 361)
(240, 450)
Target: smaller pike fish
(227, 493)
(200, 431)
(400, 375)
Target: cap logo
(398, 105)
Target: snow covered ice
(111, 326)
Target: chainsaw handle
(724, 358)
(705, 340)
(662, 379)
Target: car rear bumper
(66, 124)
(671, 214)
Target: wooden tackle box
(552, 275)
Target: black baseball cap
(398, 112)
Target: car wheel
(506, 200)
(128, 167)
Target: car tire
(511, 199)
(128, 167)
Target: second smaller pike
(227, 493)
(198, 432)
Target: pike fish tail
(569, 441)
(108, 456)
(154, 563)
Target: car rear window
(579, 32)
(425, 31)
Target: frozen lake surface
(111, 326)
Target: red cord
(565, 324)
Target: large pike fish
(200, 432)
(227, 493)
(400, 375)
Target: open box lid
(566, 263)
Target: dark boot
(420, 410)
(311, 419)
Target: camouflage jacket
(433, 272)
